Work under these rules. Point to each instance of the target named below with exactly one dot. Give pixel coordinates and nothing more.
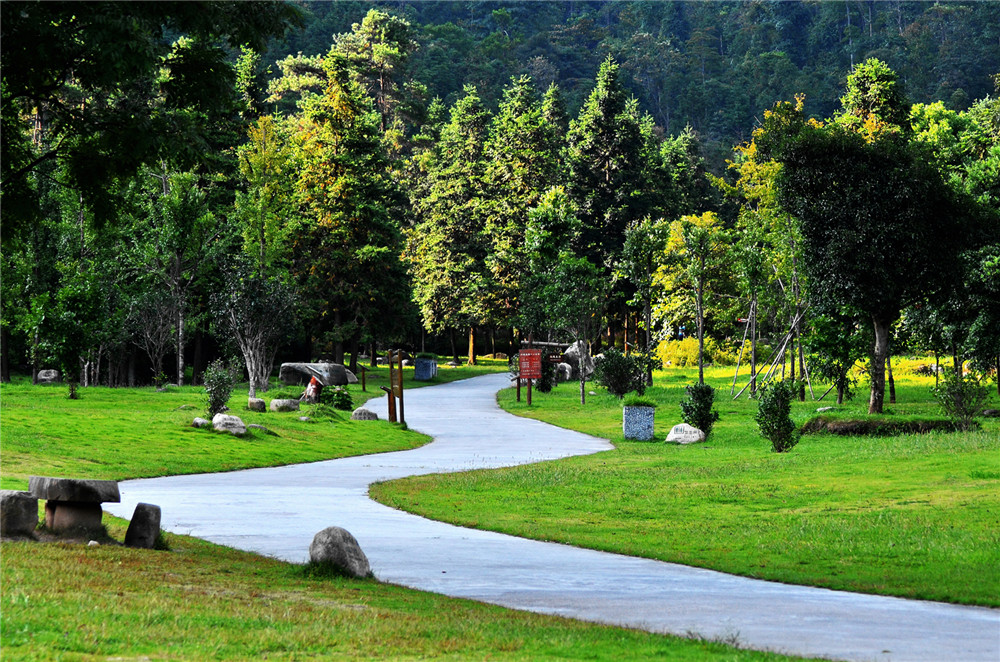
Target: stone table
(73, 504)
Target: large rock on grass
(682, 433)
(18, 514)
(144, 528)
(284, 405)
(337, 550)
(577, 354)
(231, 424)
(328, 374)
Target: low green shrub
(962, 398)
(774, 416)
(696, 407)
(620, 374)
(220, 380)
(548, 380)
(874, 427)
(337, 397)
(684, 353)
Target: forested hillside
(713, 65)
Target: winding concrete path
(277, 511)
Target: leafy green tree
(448, 245)
(695, 261)
(347, 257)
(611, 149)
(265, 211)
(176, 240)
(885, 235)
(522, 153)
(111, 90)
(645, 245)
(258, 312)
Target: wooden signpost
(395, 388)
(529, 367)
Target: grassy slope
(202, 601)
(912, 515)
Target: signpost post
(530, 367)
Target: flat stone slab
(74, 489)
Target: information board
(530, 363)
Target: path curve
(277, 511)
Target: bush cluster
(696, 408)
(220, 380)
(774, 416)
(620, 374)
(962, 398)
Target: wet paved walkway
(277, 511)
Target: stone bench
(73, 504)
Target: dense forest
(186, 181)
(714, 66)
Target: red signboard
(531, 363)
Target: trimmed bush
(634, 400)
(774, 416)
(620, 374)
(220, 380)
(337, 397)
(696, 408)
(962, 398)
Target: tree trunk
(840, 394)
(881, 351)
(701, 333)
(892, 382)
(937, 373)
(180, 342)
(472, 345)
(199, 356)
(454, 345)
(584, 355)
(647, 320)
(753, 347)
(374, 357)
(355, 348)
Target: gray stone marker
(144, 528)
(362, 414)
(18, 514)
(256, 404)
(226, 423)
(73, 504)
(682, 433)
(337, 548)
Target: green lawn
(202, 601)
(911, 515)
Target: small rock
(231, 424)
(185, 407)
(284, 405)
(825, 409)
(453, 363)
(991, 413)
(200, 422)
(337, 548)
(144, 527)
(256, 404)
(592, 392)
(304, 419)
(682, 433)
(93, 543)
(564, 372)
(257, 426)
(362, 414)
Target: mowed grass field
(913, 515)
(201, 601)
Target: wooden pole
(399, 377)
(392, 403)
